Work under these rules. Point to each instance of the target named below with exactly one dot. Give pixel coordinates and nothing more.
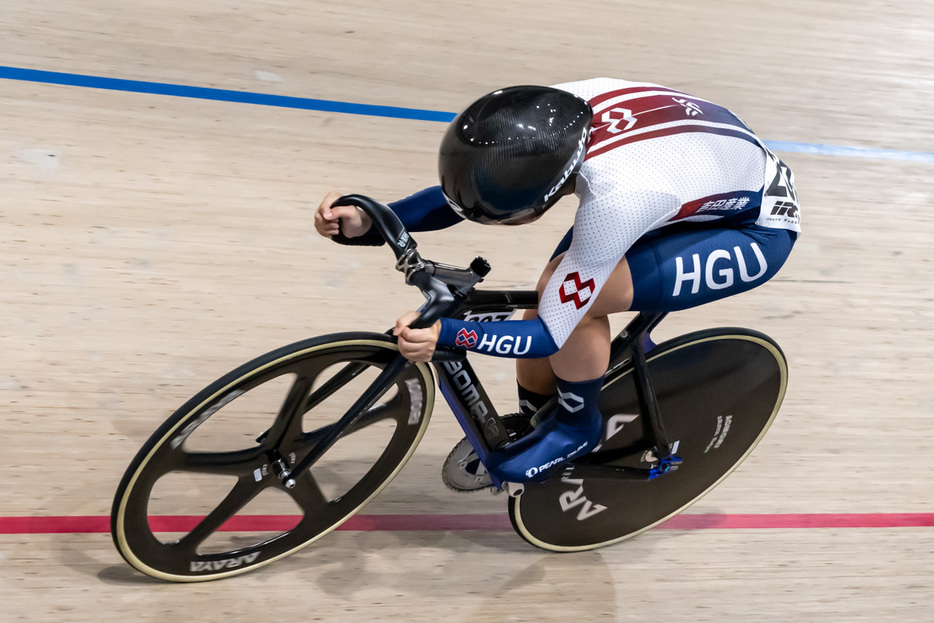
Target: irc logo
(465, 338)
(717, 278)
(785, 208)
(573, 289)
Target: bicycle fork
(376, 389)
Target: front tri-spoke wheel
(205, 497)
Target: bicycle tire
(718, 391)
(318, 373)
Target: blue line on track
(850, 152)
(393, 112)
(221, 95)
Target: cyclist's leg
(662, 272)
(586, 353)
(574, 427)
(671, 272)
(536, 376)
(590, 341)
(691, 267)
(677, 270)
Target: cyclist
(680, 205)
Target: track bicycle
(321, 426)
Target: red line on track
(376, 523)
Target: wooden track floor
(150, 243)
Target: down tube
(470, 404)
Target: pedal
(514, 489)
(668, 464)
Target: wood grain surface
(151, 243)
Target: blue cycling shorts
(679, 267)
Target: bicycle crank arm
(598, 471)
(587, 471)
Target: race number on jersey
(779, 201)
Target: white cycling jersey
(657, 157)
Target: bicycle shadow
(490, 575)
(72, 554)
(507, 575)
(346, 562)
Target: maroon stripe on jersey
(678, 129)
(633, 114)
(655, 110)
(599, 99)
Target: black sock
(530, 402)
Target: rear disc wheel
(718, 392)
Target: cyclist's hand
(348, 220)
(416, 344)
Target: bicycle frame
(450, 289)
(720, 390)
(464, 393)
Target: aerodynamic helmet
(506, 157)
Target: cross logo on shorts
(573, 289)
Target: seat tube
(647, 399)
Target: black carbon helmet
(504, 158)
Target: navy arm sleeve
(426, 210)
(516, 339)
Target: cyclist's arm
(524, 339)
(426, 210)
